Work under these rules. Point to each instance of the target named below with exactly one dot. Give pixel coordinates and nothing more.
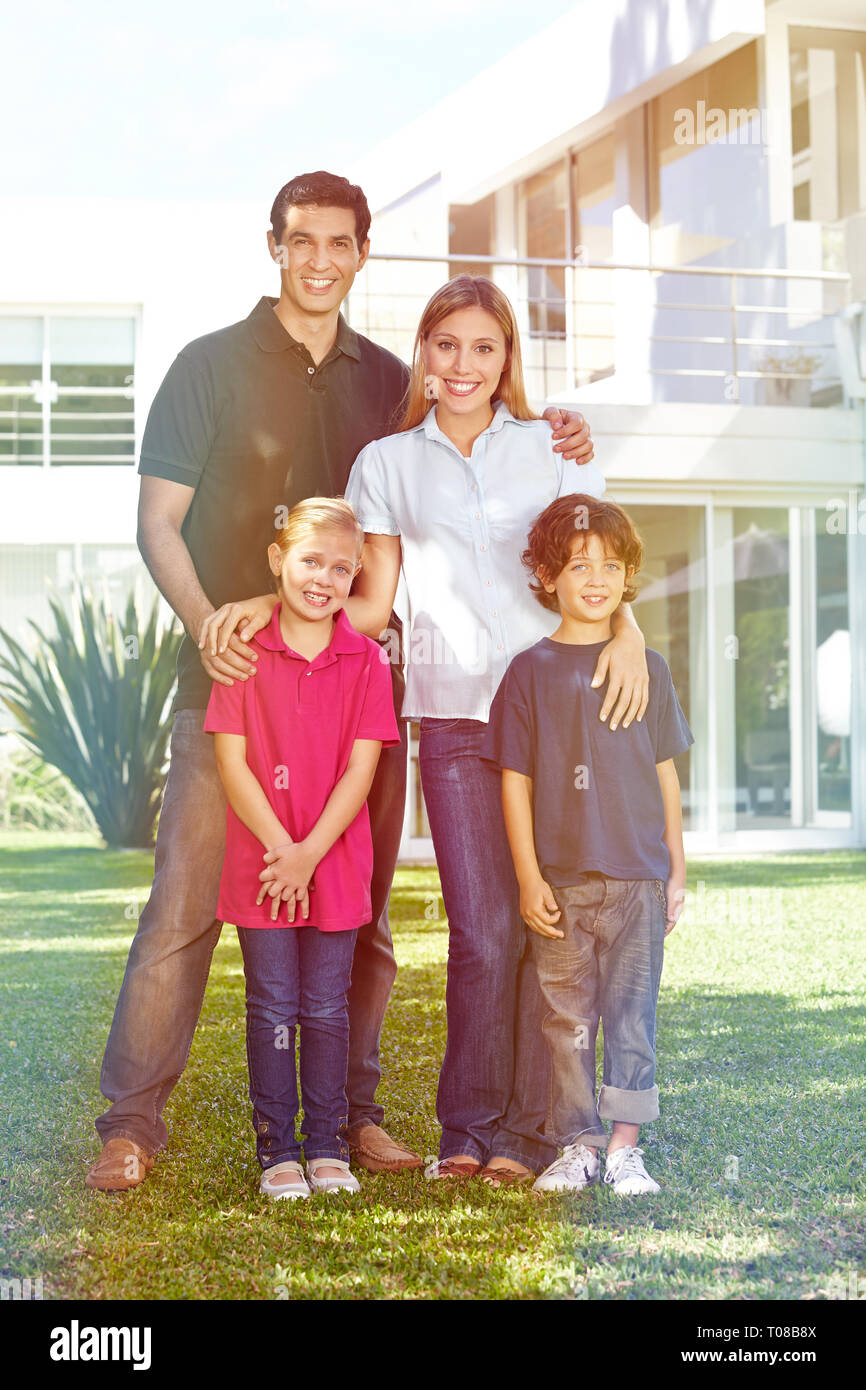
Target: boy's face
(590, 585)
(316, 573)
(318, 256)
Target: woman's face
(466, 353)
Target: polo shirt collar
(501, 416)
(271, 336)
(345, 639)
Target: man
(248, 421)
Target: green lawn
(761, 1064)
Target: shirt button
(477, 516)
(494, 612)
(310, 370)
(483, 547)
(499, 646)
(488, 582)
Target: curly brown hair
(553, 533)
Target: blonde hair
(314, 514)
(467, 292)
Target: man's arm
(162, 507)
(673, 838)
(537, 904)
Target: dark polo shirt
(246, 418)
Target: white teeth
(317, 284)
(462, 387)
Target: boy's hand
(538, 908)
(675, 894)
(286, 879)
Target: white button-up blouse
(463, 523)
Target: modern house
(679, 222)
(673, 193)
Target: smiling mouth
(594, 599)
(461, 388)
(317, 600)
(317, 285)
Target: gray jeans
(607, 967)
(163, 988)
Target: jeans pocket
(661, 894)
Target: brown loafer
(373, 1149)
(121, 1165)
(450, 1168)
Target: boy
(595, 829)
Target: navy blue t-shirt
(597, 803)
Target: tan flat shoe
(373, 1149)
(121, 1165)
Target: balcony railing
(636, 333)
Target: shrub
(92, 701)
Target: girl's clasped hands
(287, 879)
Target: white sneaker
(346, 1182)
(576, 1167)
(625, 1173)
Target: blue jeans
(163, 987)
(297, 977)
(607, 966)
(493, 1083)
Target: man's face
(318, 257)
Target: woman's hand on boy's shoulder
(622, 663)
(538, 908)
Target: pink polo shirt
(300, 719)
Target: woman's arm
(622, 663)
(369, 605)
(673, 838)
(537, 904)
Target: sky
(229, 98)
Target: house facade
(681, 227)
(674, 197)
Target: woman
(451, 497)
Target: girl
(451, 498)
(296, 750)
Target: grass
(761, 1052)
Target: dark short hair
(553, 532)
(321, 189)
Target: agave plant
(92, 701)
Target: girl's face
(466, 354)
(316, 573)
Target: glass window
(21, 346)
(470, 229)
(832, 670)
(707, 165)
(757, 565)
(593, 194)
(671, 611)
(66, 390)
(543, 203)
(828, 123)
